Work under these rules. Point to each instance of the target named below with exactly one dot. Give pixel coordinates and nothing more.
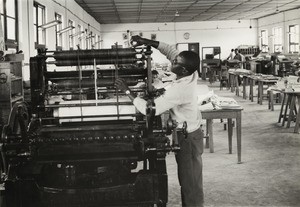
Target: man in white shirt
(180, 98)
(231, 55)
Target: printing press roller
(98, 57)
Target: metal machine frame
(117, 160)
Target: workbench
(228, 114)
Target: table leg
(239, 136)
(244, 87)
(271, 100)
(281, 109)
(291, 113)
(296, 130)
(258, 92)
(261, 91)
(232, 80)
(210, 133)
(251, 90)
(288, 102)
(237, 89)
(229, 121)
(207, 136)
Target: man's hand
(137, 41)
(121, 84)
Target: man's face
(178, 65)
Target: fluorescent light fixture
(50, 24)
(65, 29)
(76, 34)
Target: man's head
(236, 51)
(186, 63)
(232, 50)
(154, 74)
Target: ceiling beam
(116, 10)
(163, 10)
(139, 11)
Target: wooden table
(228, 114)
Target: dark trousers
(189, 163)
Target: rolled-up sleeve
(169, 51)
(163, 103)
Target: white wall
(230, 34)
(69, 9)
(283, 19)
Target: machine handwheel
(17, 126)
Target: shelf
(12, 91)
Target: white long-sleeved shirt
(179, 98)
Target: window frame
(264, 41)
(293, 46)
(39, 43)
(71, 34)
(59, 37)
(277, 39)
(10, 43)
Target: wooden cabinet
(11, 86)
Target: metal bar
(90, 116)
(84, 104)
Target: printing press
(82, 142)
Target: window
(277, 35)
(71, 35)
(39, 19)
(58, 36)
(294, 39)
(264, 41)
(9, 21)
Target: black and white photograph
(149, 103)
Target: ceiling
(151, 11)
